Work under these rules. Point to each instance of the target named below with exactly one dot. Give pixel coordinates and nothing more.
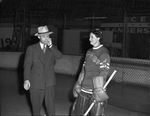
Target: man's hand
(26, 85)
(49, 42)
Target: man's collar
(42, 45)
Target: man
(92, 78)
(39, 75)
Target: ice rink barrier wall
(128, 70)
(129, 88)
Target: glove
(99, 95)
(26, 85)
(76, 89)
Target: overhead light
(95, 18)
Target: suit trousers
(38, 96)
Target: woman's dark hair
(98, 33)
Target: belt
(87, 90)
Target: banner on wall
(5, 36)
(132, 25)
(134, 31)
(6, 33)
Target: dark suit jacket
(39, 67)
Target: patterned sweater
(97, 63)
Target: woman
(92, 77)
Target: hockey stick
(103, 88)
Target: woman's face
(94, 40)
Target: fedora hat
(43, 30)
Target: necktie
(44, 48)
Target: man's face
(44, 38)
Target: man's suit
(39, 70)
